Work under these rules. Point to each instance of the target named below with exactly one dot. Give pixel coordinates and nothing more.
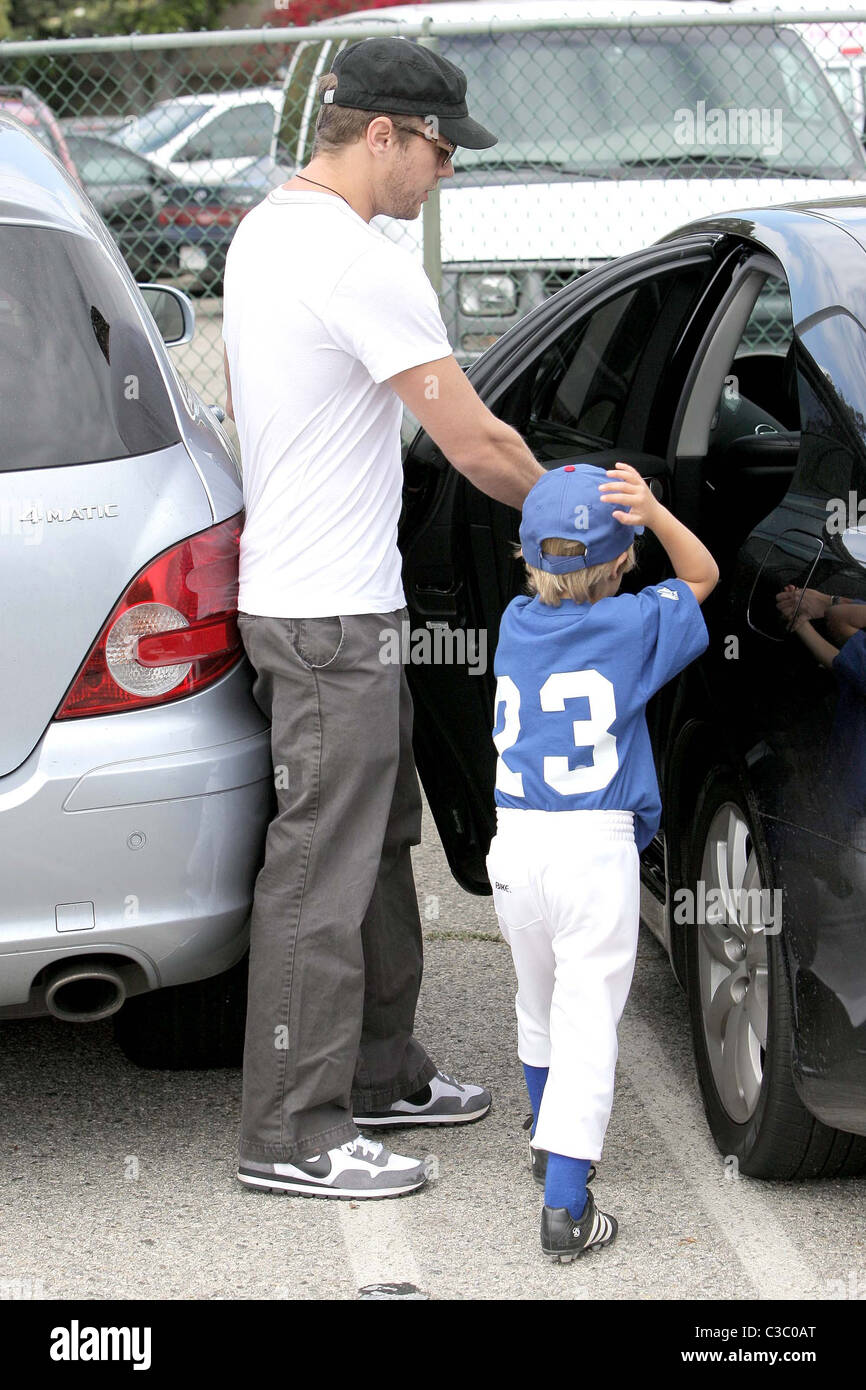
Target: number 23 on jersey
(593, 732)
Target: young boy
(577, 799)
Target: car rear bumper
(135, 837)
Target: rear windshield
(78, 379)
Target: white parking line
(377, 1243)
(773, 1265)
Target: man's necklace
(326, 188)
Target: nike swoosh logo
(318, 1167)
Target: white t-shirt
(319, 310)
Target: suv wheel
(740, 1004)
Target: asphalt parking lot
(119, 1183)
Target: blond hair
(338, 126)
(581, 585)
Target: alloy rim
(732, 963)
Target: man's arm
(229, 411)
(489, 453)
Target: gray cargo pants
(335, 941)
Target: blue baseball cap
(566, 503)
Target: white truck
(609, 137)
(839, 46)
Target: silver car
(135, 776)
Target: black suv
(728, 364)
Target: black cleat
(563, 1238)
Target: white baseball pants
(567, 894)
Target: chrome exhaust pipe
(84, 993)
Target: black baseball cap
(396, 75)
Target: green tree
(60, 18)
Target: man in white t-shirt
(329, 329)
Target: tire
(198, 1025)
(740, 1005)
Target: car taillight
(173, 631)
(171, 216)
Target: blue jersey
(573, 683)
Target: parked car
(129, 193)
(197, 223)
(206, 139)
(756, 882)
(840, 48)
(603, 141)
(135, 777)
(37, 116)
(93, 125)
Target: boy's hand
(812, 603)
(691, 560)
(629, 490)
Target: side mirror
(172, 311)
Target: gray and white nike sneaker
(443, 1101)
(360, 1168)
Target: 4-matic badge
(90, 513)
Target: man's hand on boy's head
(629, 490)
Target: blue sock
(566, 1183)
(536, 1079)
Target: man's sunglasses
(444, 155)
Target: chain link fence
(612, 131)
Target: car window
(759, 395)
(243, 132)
(771, 324)
(100, 163)
(832, 463)
(591, 391)
(608, 366)
(78, 376)
(146, 133)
